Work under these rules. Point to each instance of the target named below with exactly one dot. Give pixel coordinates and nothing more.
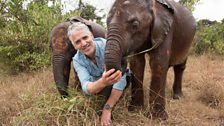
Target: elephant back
(96, 29)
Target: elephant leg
(137, 65)
(61, 70)
(66, 74)
(159, 68)
(177, 86)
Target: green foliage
(24, 38)
(209, 37)
(24, 32)
(89, 12)
(189, 3)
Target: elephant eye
(135, 24)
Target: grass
(32, 99)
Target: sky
(210, 9)
(206, 9)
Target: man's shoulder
(78, 56)
(100, 41)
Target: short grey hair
(77, 26)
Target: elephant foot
(132, 108)
(63, 94)
(135, 106)
(161, 115)
(177, 95)
(157, 111)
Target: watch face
(107, 107)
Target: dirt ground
(203, 88)
(202, 104)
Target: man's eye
(85, 37)
(77, 42)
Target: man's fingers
(105, 122)
(118, 76)
(111, 76)
(109, 72)
(115, 76)
(106, 74)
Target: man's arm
(112, 100)
(108, 78)
(114, 97)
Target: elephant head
(130, 24)
(63, 50)
(163, 26)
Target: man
(89, 65)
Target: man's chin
(88, 52)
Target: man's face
(83, 41)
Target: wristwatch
(107, 107)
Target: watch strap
(107, 107)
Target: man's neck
(92, 58)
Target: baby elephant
(162, 28)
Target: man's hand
(111, 77)
(108, 78)
(106, 118)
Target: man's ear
(72, 43)
(74, 46)
(91, 35)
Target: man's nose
(83, 42)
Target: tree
(88, 12)
(24, 31)
(222, 21)
(24, 43)
(209, 37)
(189, 3)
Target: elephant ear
(162, 22)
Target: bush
(24, 32)
(24, 39)
(209, 37)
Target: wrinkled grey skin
(137, 25)
(63, 51)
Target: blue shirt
(88, 72)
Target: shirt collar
(97, 53)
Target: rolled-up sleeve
(121, 84)
(83, 75)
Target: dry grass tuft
(23, 88)
(212, 96)
(32, 99)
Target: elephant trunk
(113, 50)
(61, 74)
